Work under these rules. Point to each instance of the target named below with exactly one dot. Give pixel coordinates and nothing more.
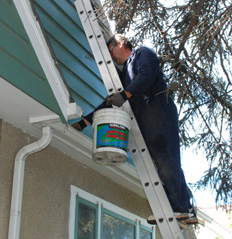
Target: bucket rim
(119, 117)
(110, 111)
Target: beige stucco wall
(46, 198)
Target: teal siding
(18, 63)
(67, 38)
(71, 48)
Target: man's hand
(81, 124)
(115, 99)
(77, 126)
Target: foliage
(194, 42)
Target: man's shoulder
(144, 52)
(145, 49)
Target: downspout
(18, 179)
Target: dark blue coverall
(157, 118)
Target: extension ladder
(145, 167)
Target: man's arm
(88, 119)
(146, 73)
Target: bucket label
(112, 135)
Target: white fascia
(79, 147)
(38, 41)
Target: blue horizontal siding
(70, 45)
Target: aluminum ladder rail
(145, 167)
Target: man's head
(120, 48)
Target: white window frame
(107, 205)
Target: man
(156, 115)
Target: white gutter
(18, 179)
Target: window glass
(145, 234)
(115, 228)
(86, 222)
(96, 218)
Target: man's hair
(120, 38)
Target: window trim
(103, 205)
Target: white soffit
(16, 108)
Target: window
(116, 227)
(95, 218)
(85, 220)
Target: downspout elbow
(18, 179)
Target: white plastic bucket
(111, 134)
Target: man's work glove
(79, 125)
(116, 99)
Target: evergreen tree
(194, 42)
